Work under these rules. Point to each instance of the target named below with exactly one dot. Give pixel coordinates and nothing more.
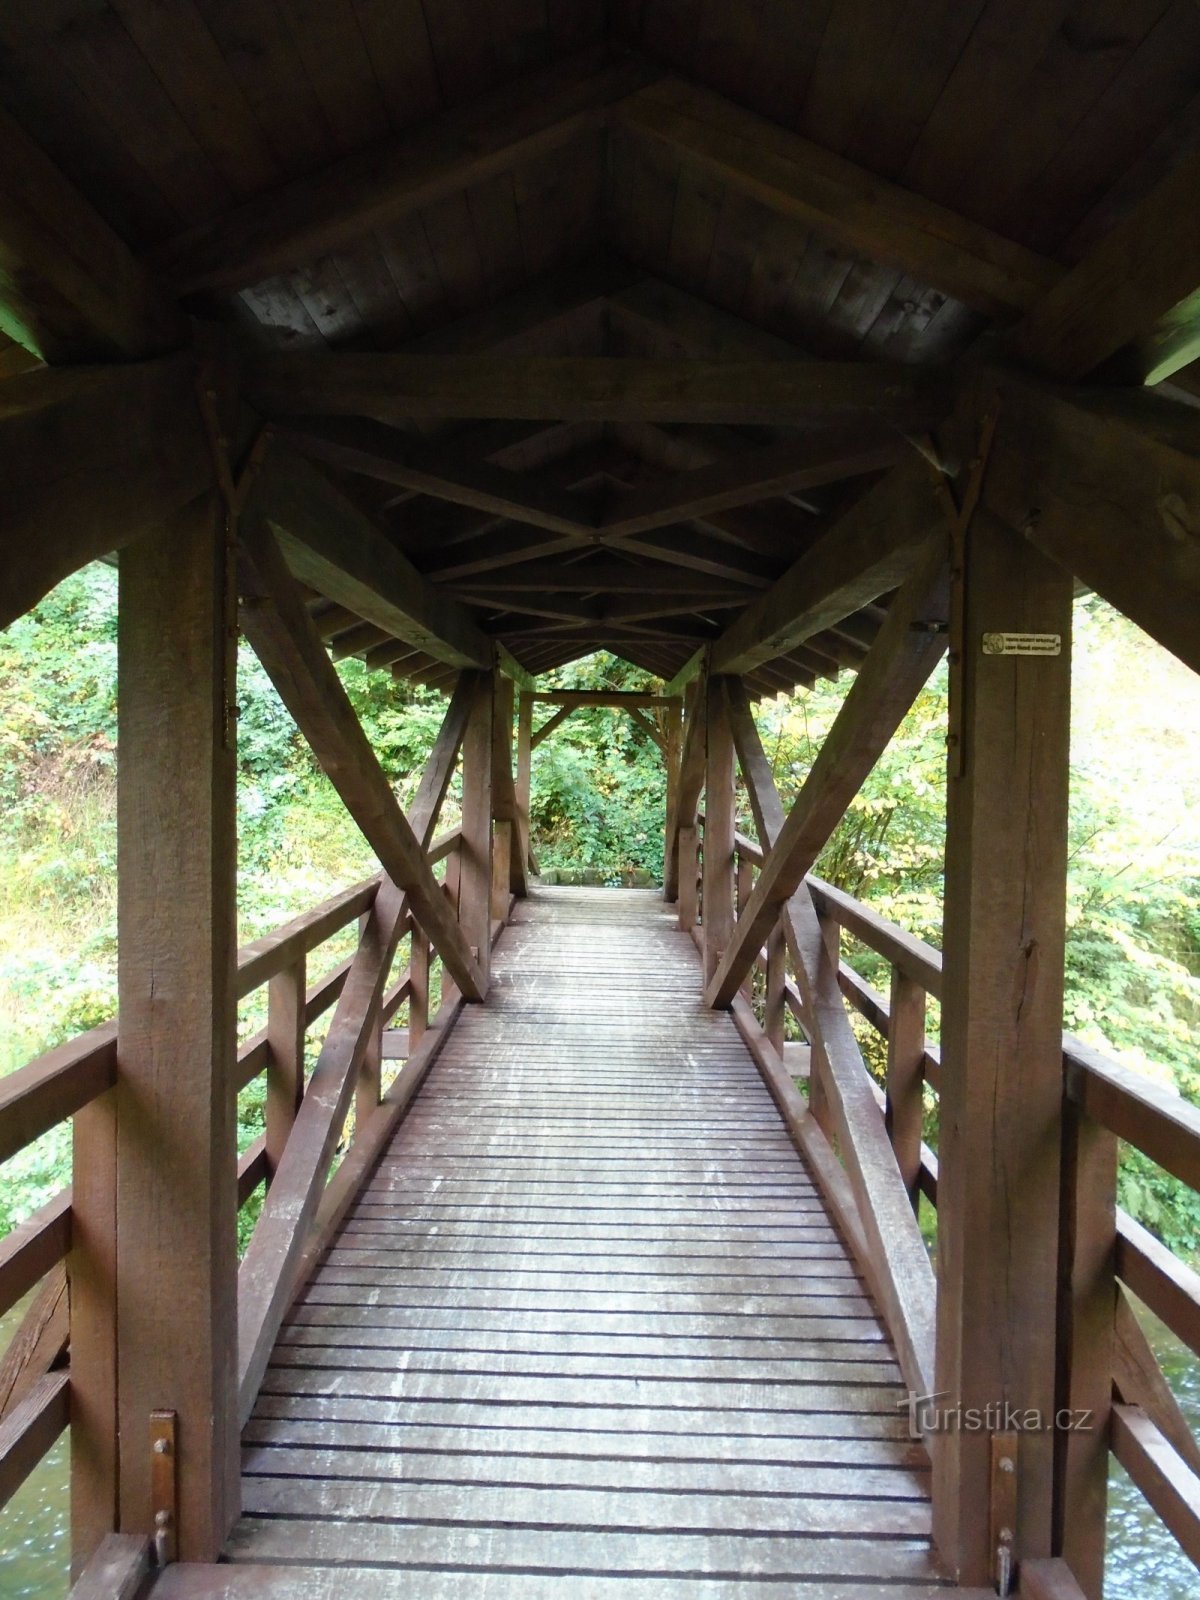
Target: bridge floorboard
(588, 1330)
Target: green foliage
(597, 790)
(1133, 893)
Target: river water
(1144, 1561)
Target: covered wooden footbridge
(752, 342)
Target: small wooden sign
(1022, 644)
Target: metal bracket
(1002, 1510)
(164, 1488)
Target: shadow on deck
(588, 1330)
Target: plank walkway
(588, 1331)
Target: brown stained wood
(93, 458)
(1049, 1579)
(39, 1342)
(850, 208)
(34, 1248)
(686, 796)
(1087, 1300)
(283, 637)
(72, 289)
(597, 1336)
(1138, 1380)
(377, 451)
(475, 846)
(1104, 484)
(1132, 1105)
(905, 1114)
(285, 948)
(522, 780)
(1167, 1285)
(29, 1430)
(892, 675)
(335, 548)
(379, 186)
(864, 554)
(817, 458)
(286, 1024)
(1170, 1486)
(588, 388)
(719, 826)
(175, 1153)
(1138, 287)
(37, 1097)
(117, 1571)
(253, 1170)
(894, 1253)
(1001, 1081)
(266, 1279)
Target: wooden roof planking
(584, 326)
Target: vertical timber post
(718, 888)
(524, 775)
(1002, 1089)
(285, 1069)
(1087, 1307)
(505, 831)
(176, 1160)
(672, 756)
(475, 852)
(904, 1108)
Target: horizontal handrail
(33, 1247)
(1159, 1122)
(275, 952)
(53, 1087)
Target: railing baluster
(818, 1089)
(285, 1069)
(773, 1017)
(905, 1104)
(418, 999)
(689, 876)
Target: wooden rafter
(93, 458)
(335, 548)
(820, 457)
(1106, 484)
(589, 388)
(888, 682)
(317, 215)
(856, 210)
(1139, 287)
(70, 289)
(377, 451)
(863, 555)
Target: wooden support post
(285, 1069)
(524, 775)
(689, 875)
(1087, 1301)
(718, 912)
(418, 992)
(773, 1015)
(687, 793)
(176, 1156)
(818, 1072)
(1002, 1094)
(672, 757)
(370, 1072)
(475, 852)
(504, 804)
(904, 1107)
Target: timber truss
(597, 355)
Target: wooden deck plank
(589, 1323)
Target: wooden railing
(34, 1372)
(1106, 1254)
